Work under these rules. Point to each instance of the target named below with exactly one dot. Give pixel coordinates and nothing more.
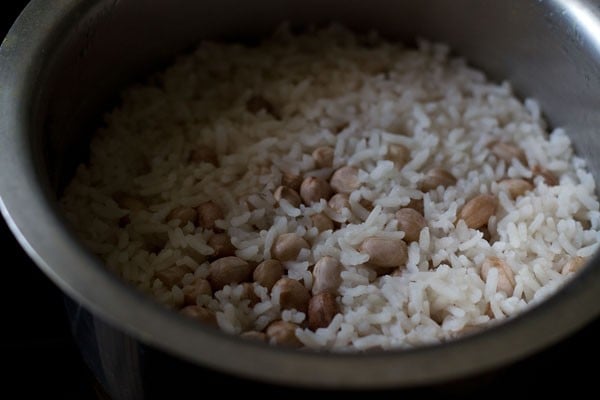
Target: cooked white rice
(378, 93)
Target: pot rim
(34, 219)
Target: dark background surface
(41, 358)
(37, 355)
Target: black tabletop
(37, 349)
(37, 353)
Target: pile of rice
(358, 95)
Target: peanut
(172, 276)
(322, 222)
(255, 335)
(288, 194)
(268, 272)
(436, 177)
(287, 246)
(222, 246)
(208, 213)
(477, 211)
(314, 189)
(384, 252)
(573, 265)
(411, 222)
(345, 180)
(507, 152)
(183, 214)
(399, 154)
(549, 178)
(290, 180)
(339, 201)
(205, 154)
(129, 202)
(292, 294)
(228, 270)
(326, 275)
(249, 294)
(200, 313)
(417, 205)
(516, 187)
(321, 310)
(197, 288)
(283, 333)
(323, 157)
(506, 278)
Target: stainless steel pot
(64, 61)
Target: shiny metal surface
(63, 62)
